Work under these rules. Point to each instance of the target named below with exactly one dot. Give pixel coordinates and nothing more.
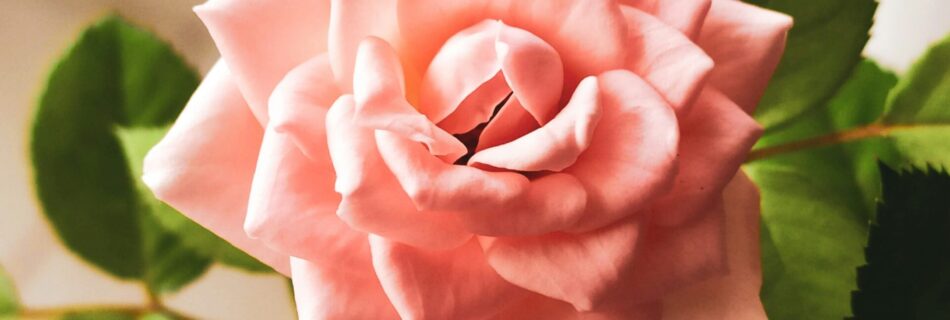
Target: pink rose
(510, 159)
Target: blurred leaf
(822, 50)
(136, 142)
(918, 112)
(908, 271)
(171, 264)
(120, 314)
(115, 76)
(815, 204)
(760, 3)
(9, 303)
(99, 315)
(156, 316)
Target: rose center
(470, 138)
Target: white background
(33, 33)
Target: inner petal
(466, 62)
(473, 111)
(477, 69)
(472, 139)
(557, 144)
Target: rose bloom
(504, 159)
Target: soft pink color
(485, 159)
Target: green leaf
(822, 50)
(815, 204)
(918, 112)
(908, 271)
(9, 303)
(116, 75)
(136, 142)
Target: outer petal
(617, 269)
(669, 61)
(536, 306)
(452, 284)
(194, 170)
(582, 269)
(716, 137)
(632, 157)
(299, 105)
(352, 292)
(746, 42)
(671, 258)
(350, 22)
(558, 143)
(381, 103)
(292, 205)
(687, 16)
(373, 200)
(262, 40)
(735, 296)
(488, 203)
(588, 35)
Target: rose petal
(352, 292)
(687, 16)
(453, 284)
(671, 258)
(588, 35)
(536, 306)
(478, 107)
(746, 42)
(533, 70)
(736, 295)
(632, 157)
(440, 20)
(488, 203)
(195, 171)
(262, 40)
(372, 198)
(465, 63)
(299, 105)
(292, 206)
(645, 311)
(557, 144)
(715, 139)
(511, 122)
(616, 269)
(467, 67)
(669, 61)
(582, 269)
(381, 104)
(350, 22)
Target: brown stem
(47, 313)
(873, 130)
(131, 310)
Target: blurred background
(34, 33)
